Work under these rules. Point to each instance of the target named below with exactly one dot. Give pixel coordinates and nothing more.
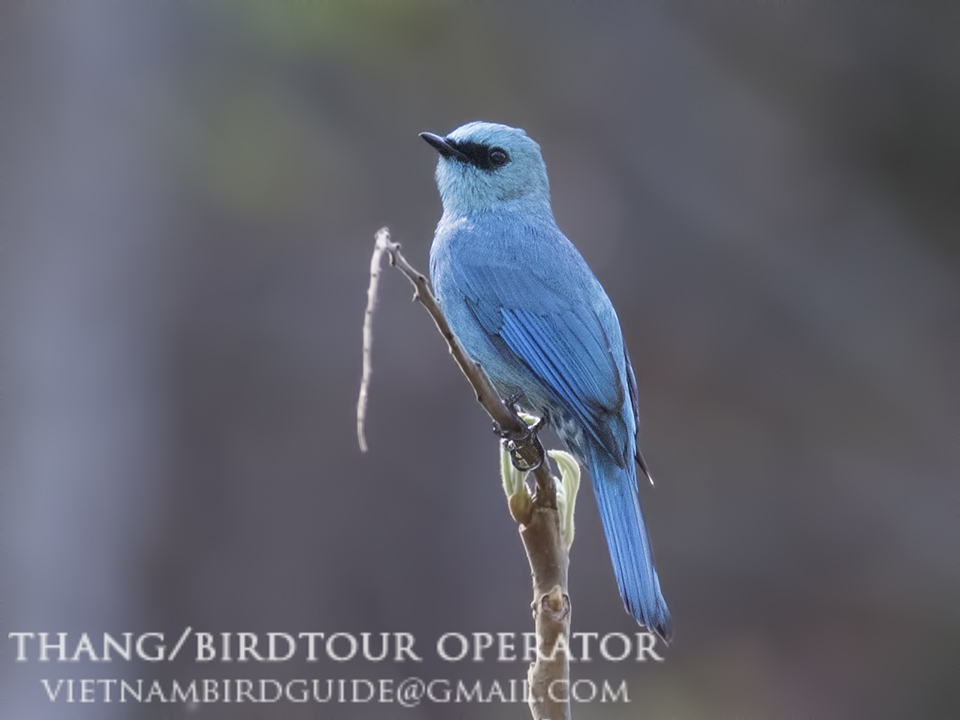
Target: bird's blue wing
(566, 346)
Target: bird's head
(487, 166)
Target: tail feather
(616, 491)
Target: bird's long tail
(616, 491)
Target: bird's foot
(524, 446)
(512, 400)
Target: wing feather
(531, 310)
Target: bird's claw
(526, 452)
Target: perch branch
(549, 675)
(537, 515)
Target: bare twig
(383, 238)
(539, 519)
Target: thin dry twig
(382, 240)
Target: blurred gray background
(768, 193)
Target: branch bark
(538, 519)
(549, 675)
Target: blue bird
(524, 305)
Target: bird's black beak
(444, 147)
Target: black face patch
(478, 154)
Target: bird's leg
(512, 400)
(510, 403)
(524, 446)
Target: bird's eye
(498, 157)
